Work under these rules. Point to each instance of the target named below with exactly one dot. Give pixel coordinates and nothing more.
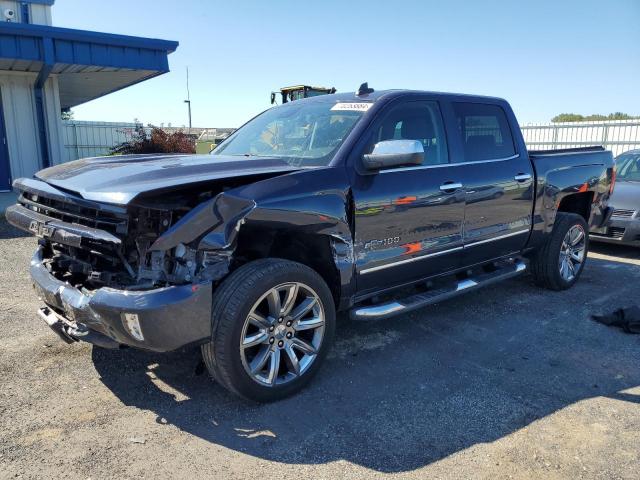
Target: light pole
(188, 100)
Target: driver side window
(417, 120)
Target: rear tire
(260, 357)
(560, 261)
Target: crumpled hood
(120, 179)
(626, 195)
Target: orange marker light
(412, 248)
(405, 200)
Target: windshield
(301, 133)
(628, 167)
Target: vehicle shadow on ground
(397, 395)
(9, 231)
(622, 251)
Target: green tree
(576, 117)
(620, 116)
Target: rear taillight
(613, 178)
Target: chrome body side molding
(442, 252)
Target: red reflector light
(613, 178)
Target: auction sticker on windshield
(356, 107)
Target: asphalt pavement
(508, 382)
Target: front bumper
(168, 318)
(625, 231)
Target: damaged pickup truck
(373, 203)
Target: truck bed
(561, 151)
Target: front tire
(273, 322)
(560, 262)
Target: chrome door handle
(445, 187)
(522, 177)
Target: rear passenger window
(415, 120)
(484, 131)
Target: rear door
(497, 179)
(408, 220)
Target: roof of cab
(390, 94)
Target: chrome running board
(436, 295)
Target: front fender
(219, 218)
(310, 202)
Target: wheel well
(579, 203)
(312, 250)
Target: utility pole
(188, 100)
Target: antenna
(364, 89)
(188, 100)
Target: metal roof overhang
(88, 64)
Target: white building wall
(4, 5)
(55, 129)
(38, 14)
(20, 122)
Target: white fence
(94, 139)
(91, 139)
(615, 135)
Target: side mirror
(394, 153)
(273, 98)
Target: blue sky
(544, 56)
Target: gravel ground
(509, 382)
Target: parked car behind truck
(624, 226)
(347, 202)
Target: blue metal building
(46, 69)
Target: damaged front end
(201, 242)
(149, 244)
(99, 265)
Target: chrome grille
(615, 232)
(623, 213)
(75, 214)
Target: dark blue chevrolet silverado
(374, 203)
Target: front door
(5, 171)
(408, 220)
(498, 183)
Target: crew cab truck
(371, 203)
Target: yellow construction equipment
(296, 92)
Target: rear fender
(563, 183)
(557, 185)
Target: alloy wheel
(572, 253)
(282, 334)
